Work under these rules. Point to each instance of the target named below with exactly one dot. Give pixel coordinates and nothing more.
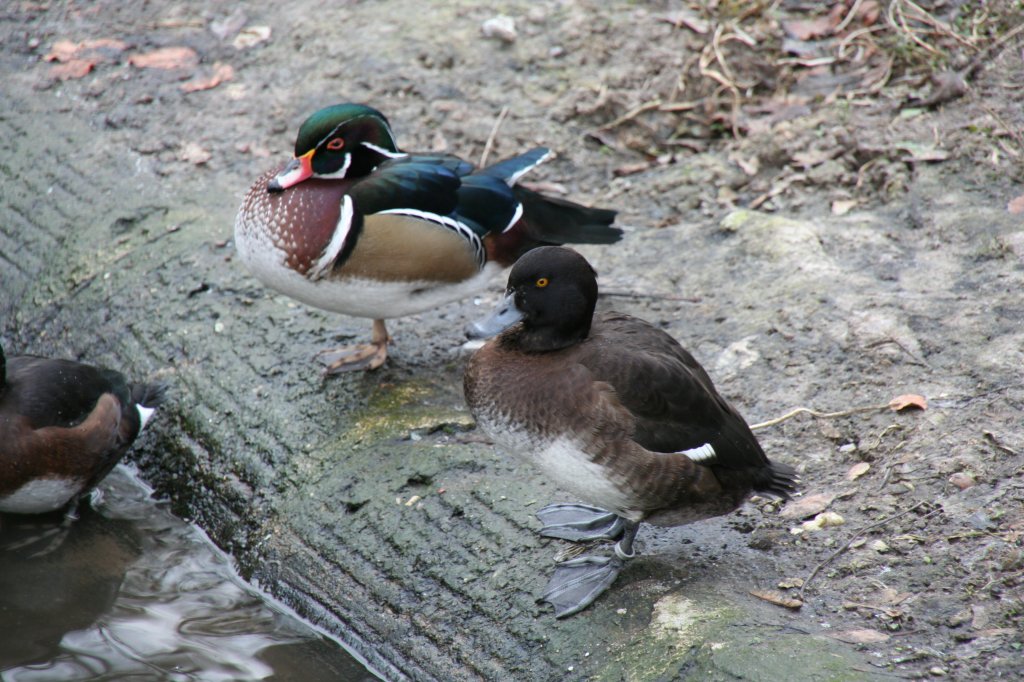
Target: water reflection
(129, 591)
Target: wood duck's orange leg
(364, 356)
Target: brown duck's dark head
(549, 302)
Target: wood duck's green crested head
(551, 294)
(339, 141)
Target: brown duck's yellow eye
(336, 144)
(542, 282)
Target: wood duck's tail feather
(548, 221)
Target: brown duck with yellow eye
(611, 409)
(63, 427)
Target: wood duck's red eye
(336, 144)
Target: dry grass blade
(490, 138)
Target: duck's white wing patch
(145, 413)
(702, 455)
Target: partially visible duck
(63, 427)
(355, 226)
(612, 409)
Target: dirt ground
(854, 176)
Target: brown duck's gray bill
(506, 315)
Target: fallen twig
(853, 538)
(490, 138)
(655, 297)
(820, 415)
(631, 114)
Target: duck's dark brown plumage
(606, 405)
(63, 426)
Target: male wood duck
(355, 226)
(612, 409)
(63, 427)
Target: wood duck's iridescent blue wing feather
(487, 204)
(421, 183)
(510, 170)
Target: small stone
(879, 546)
(962, 480)
(937, 671)
(218, 327)
(502, 27)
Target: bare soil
(825, 207)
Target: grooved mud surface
(369, 503)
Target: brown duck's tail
(780, 480)
(551, 221)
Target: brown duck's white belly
(565, 463)
(41, 495)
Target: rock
(502, 27)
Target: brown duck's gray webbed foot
(580, 522)
(576, 583)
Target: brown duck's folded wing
(672, 400)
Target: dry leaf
(812, 158)
(778, 598)
(166, 58)
(907, 401)
(962, 480)
(857, 470)
(688, 18)
(251, 36)
(96, 50)
(806, 506)
(1016, 205)
(631, 168)
(822, 520)
(843, 206)
(805, 29)
(221, 73)
(62, 51)
(922, 152)
(787, 583)
(73, 68)
(861, 636)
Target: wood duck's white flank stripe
(384, 152)
(514, 178)
(330, 254)
(341, 172)
(702, 454)
(462, 229)
(515, 218)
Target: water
(129, 592)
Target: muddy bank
(366, 501)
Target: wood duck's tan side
(402, 248)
